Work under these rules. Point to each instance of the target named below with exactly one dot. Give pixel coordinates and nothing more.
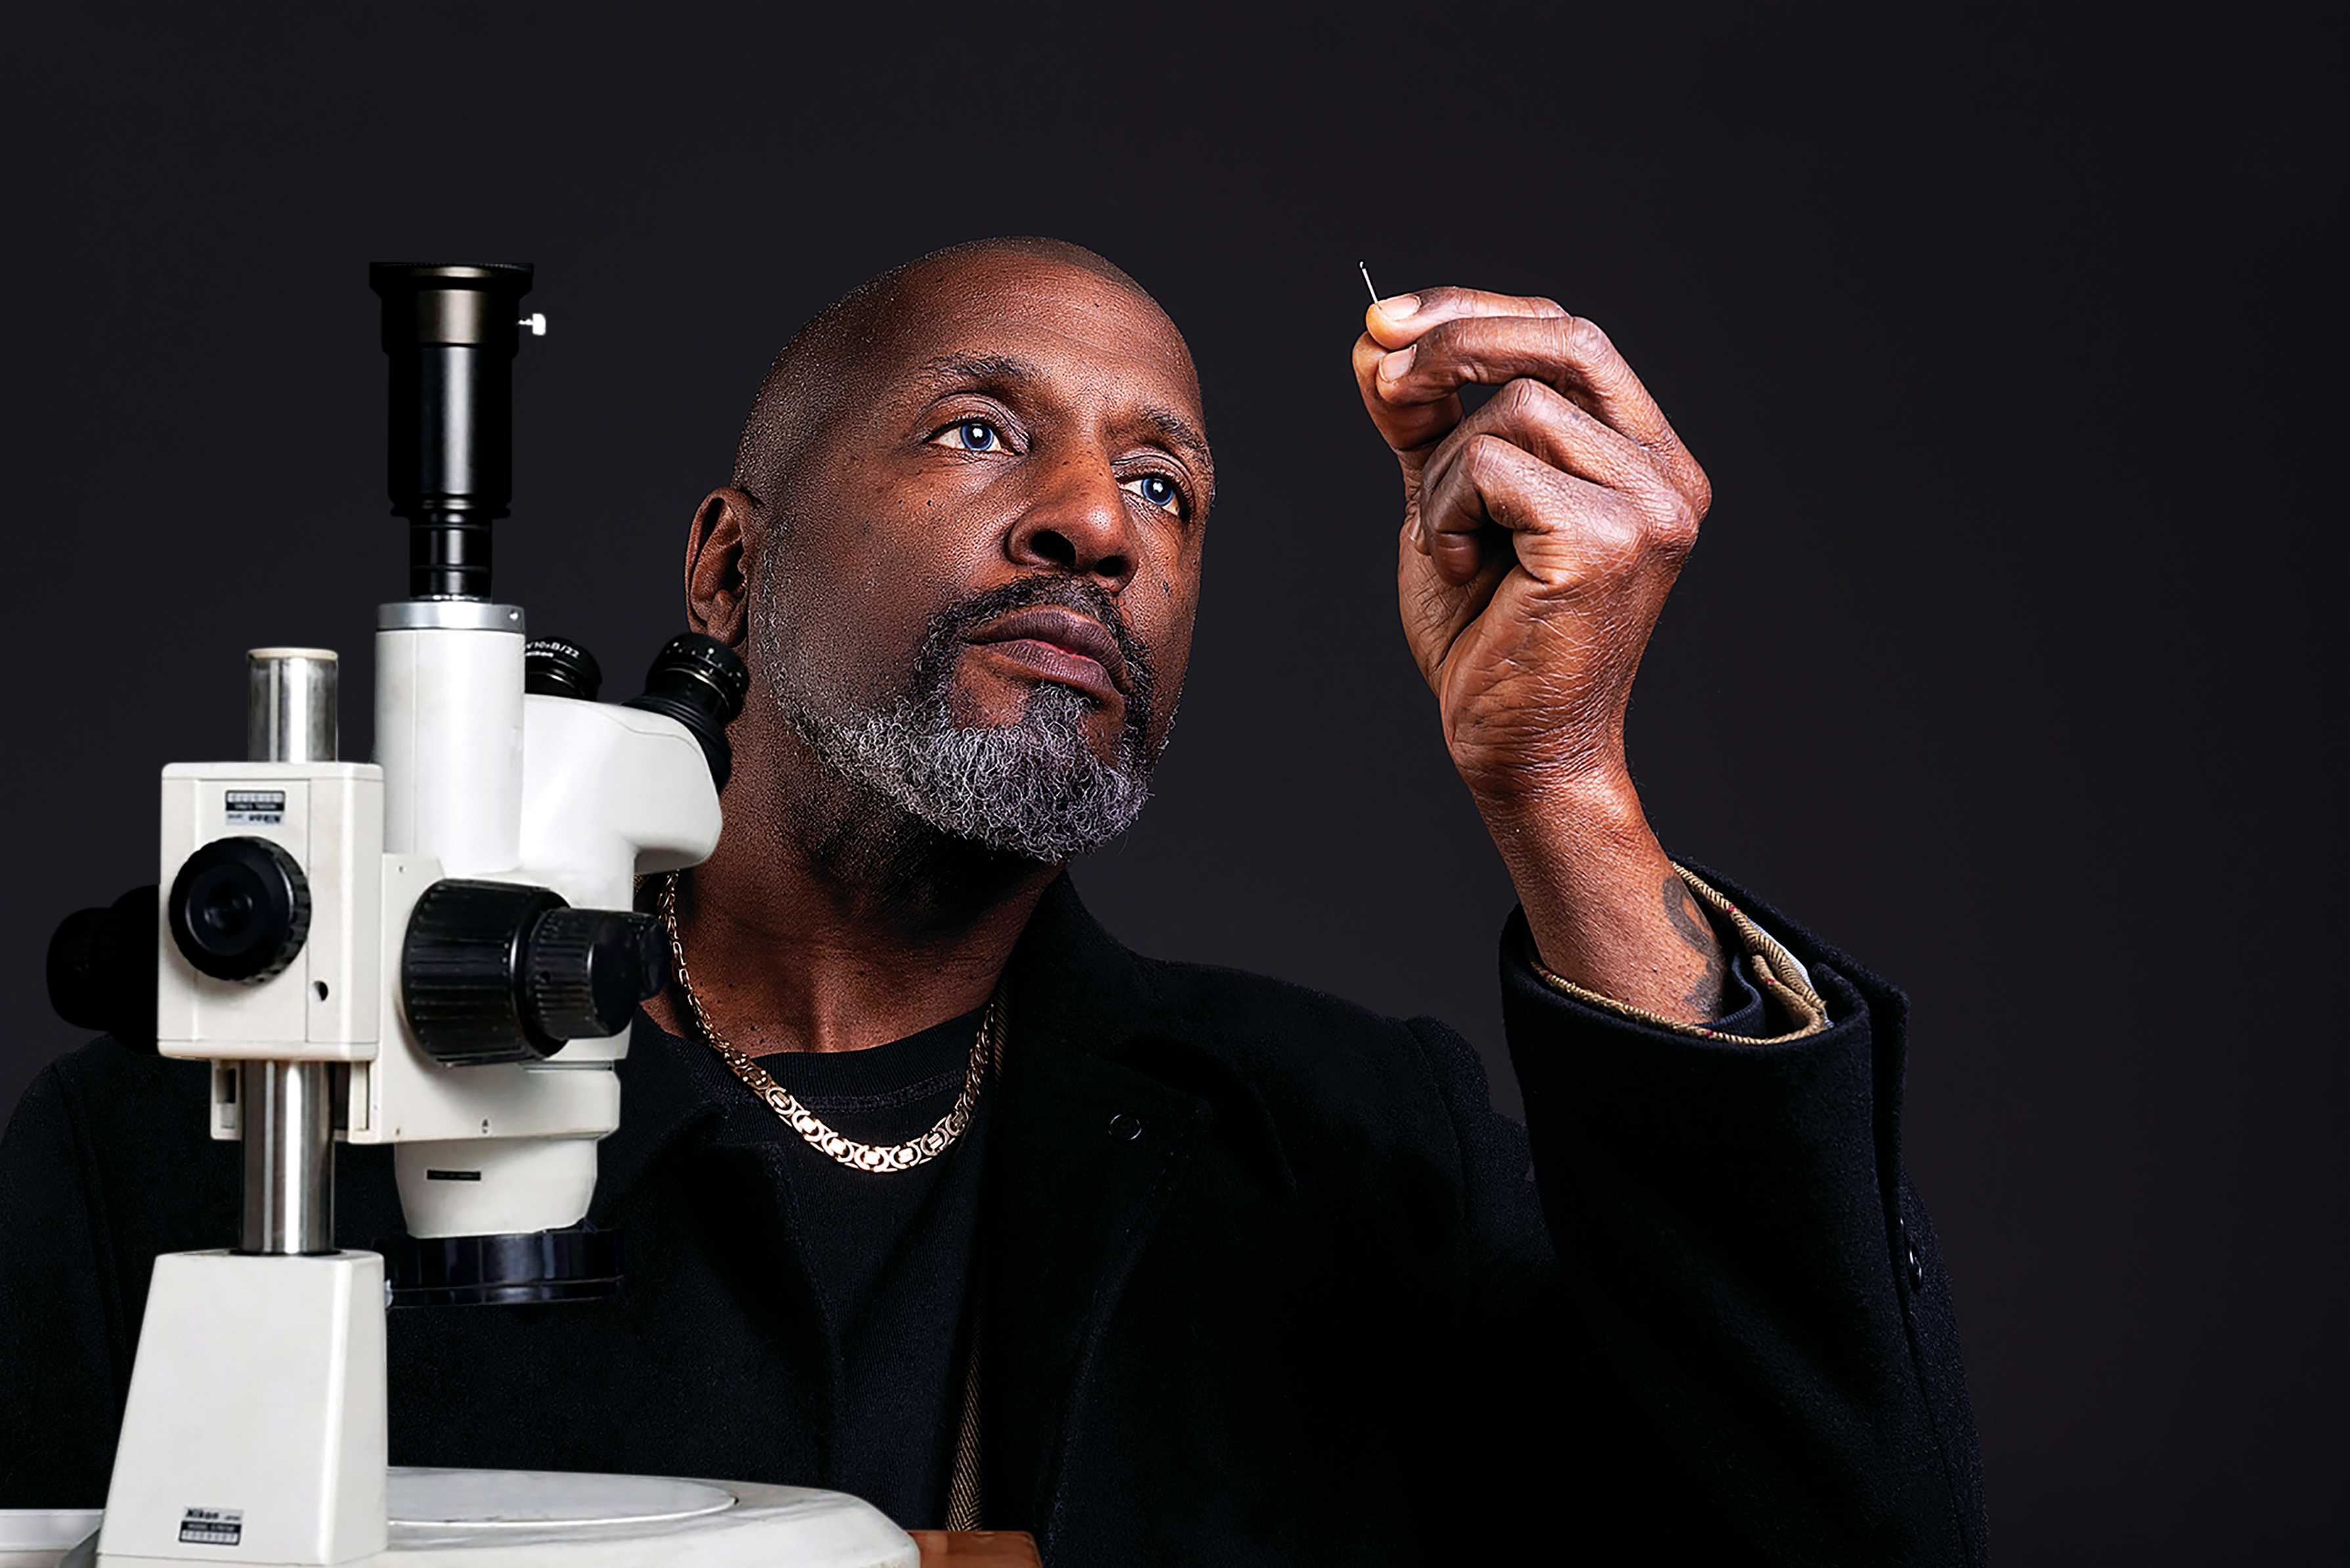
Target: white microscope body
(434, 950)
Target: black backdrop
(2011, 658)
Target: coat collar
(1112, 1088)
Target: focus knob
(461, 967)
(583, 971)
(500, 972)
(239, 908)
(101, 969)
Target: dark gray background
(2012, 658)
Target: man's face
(977, 592)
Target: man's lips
(1060, 644)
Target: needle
(1366, 269)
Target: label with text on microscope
(212, 1526)
(251, 807)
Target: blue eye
(1160, 490)
(976, 435)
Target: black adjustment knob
(460, 972)
(583, 971)
(557, 667)
(239, 908)
(699, 681)
(498, 971)
(101, 969)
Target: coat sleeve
(63, 1354)
(1716, 1298)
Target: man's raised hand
(1540, 535)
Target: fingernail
(1392, 368)
(1399, 306)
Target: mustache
(942, 637)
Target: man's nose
(1079, 523)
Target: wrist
(1604, 908)
(1569, 830)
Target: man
(936, 1193)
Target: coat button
(1917, 1269)
(1124, 1128)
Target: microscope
(435, 951)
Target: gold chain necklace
(807, 1123)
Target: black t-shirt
(888, 1255)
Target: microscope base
(255, 1428)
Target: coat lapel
(1091, 1145)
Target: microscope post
(286, 1116)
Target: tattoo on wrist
(1711, 988)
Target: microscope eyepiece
(451, 331)
(699, 681)
(559, 667)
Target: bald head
(833, 357)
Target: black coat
(1311, 1312)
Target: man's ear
(717, 565)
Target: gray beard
(1033, 788)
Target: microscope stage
(455, 1519)
(518, 1519)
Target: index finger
(1571, 353)
(1410, 429)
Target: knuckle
(1585, 337)
(1546, 306)
(1675, 531)
(1485, 458)
(1614, 548)
(1521, 399)
(1587, 349)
